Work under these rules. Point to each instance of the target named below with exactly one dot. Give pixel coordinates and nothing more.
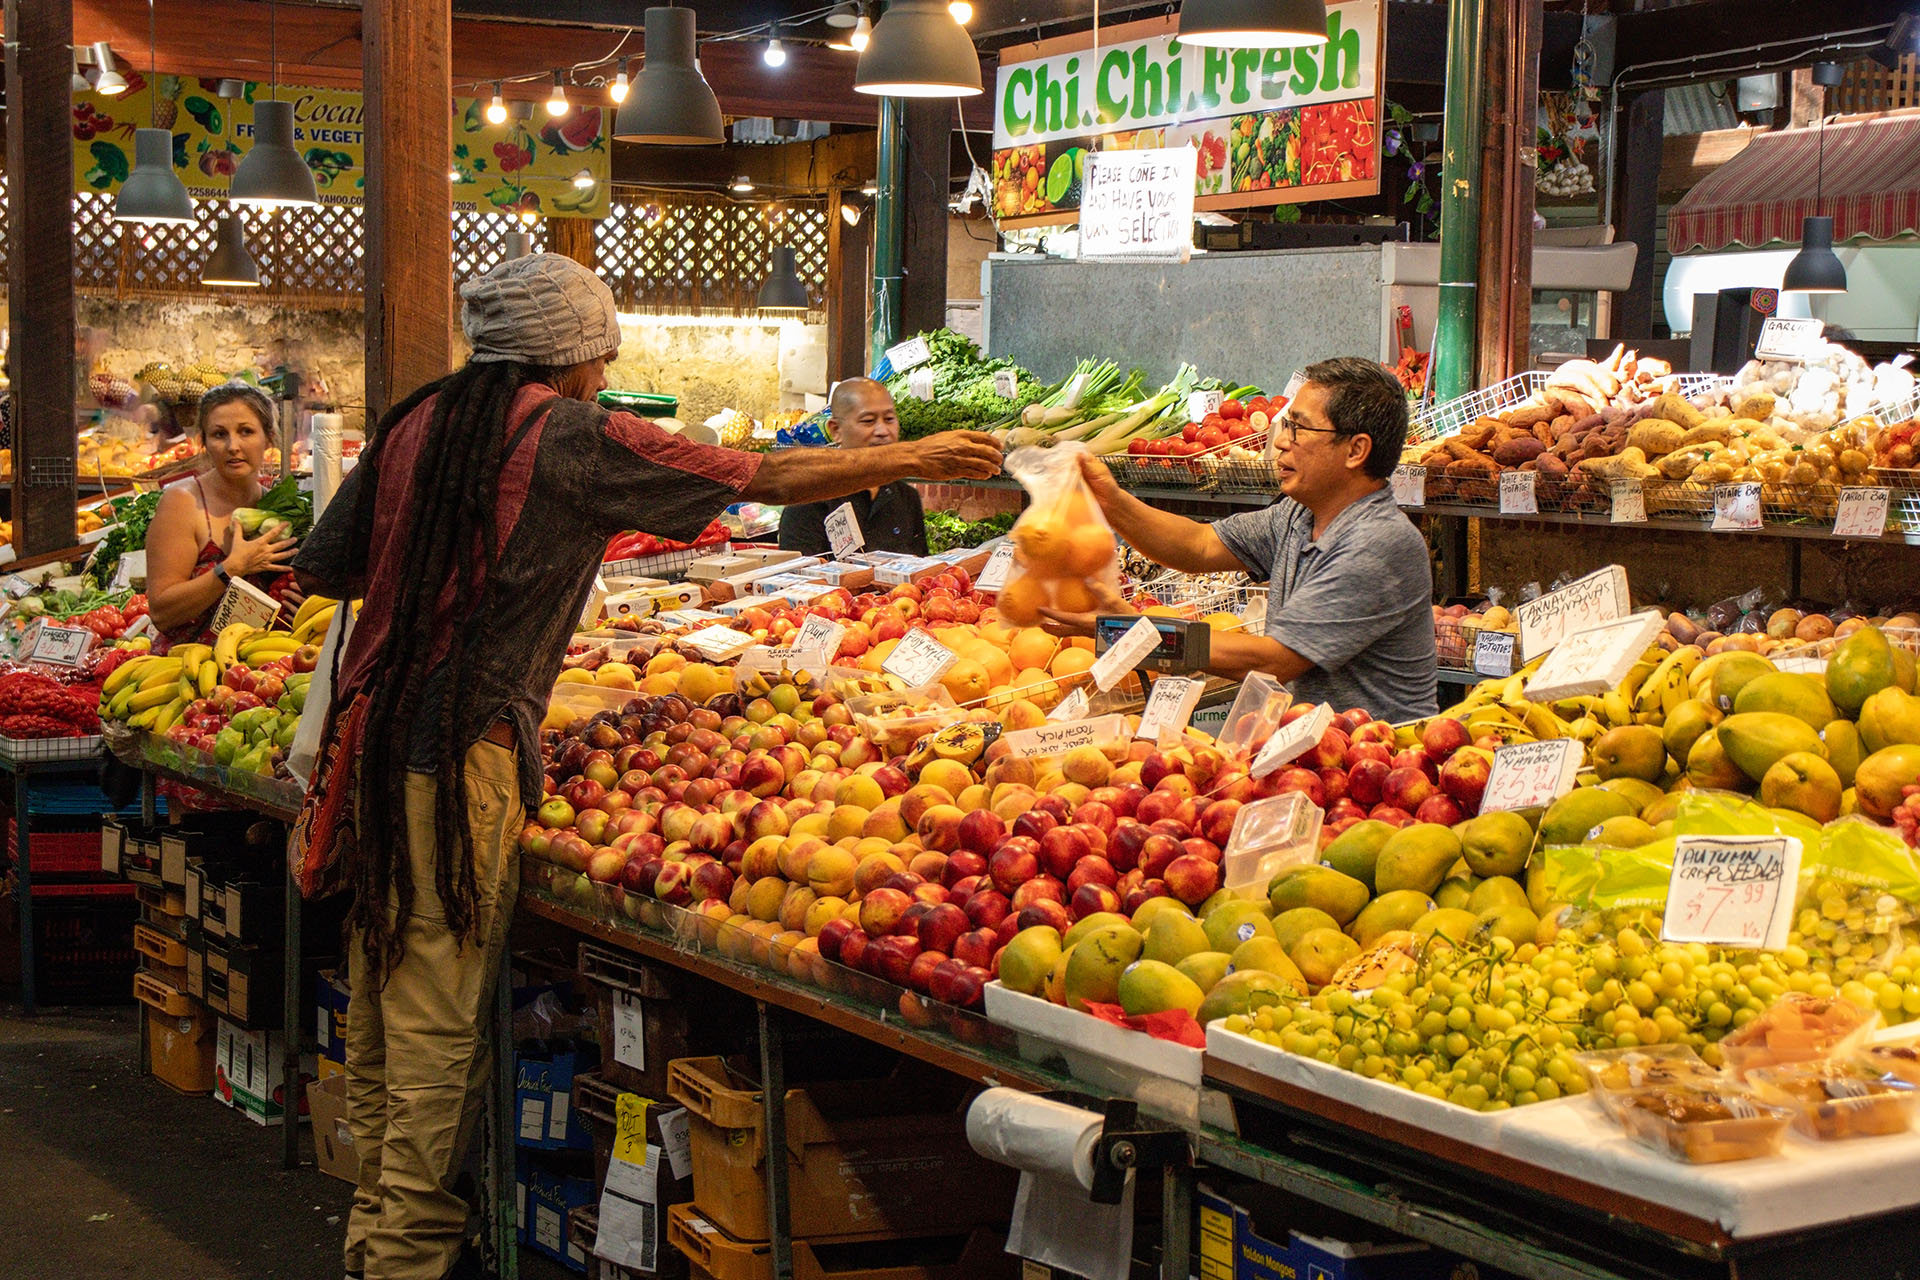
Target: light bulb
(497, 109)
(619, 90)
(557, 101)
(528, 216)
(583, 179)
(776, 53)
(453, 175)
(862, 32)
(962, 12)
(742, 184)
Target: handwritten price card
(1732, 891)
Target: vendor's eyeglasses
(1289, 429)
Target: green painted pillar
(1454, 334)
(889, 210)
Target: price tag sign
(1597, 598)
(1059, 737)
(717, 644)
(1006, 383)
(1202, 403)
(629, 1036)
(843, 531)
(16, 586)
(1736, 508)
(1291, 738)
(1732, 891)
(1493, 653)
(920, 384)
(798, 657)
(1072, 707)
(819, 633)
(1518, 496)
(905, 355)
(1595, 659)
(140, 626)
(59, 646)
(1126, 653)
(1862, 512)
(1629, 502)
(1527, 775)
(1075, 388)
(1169, 707)
(919, 659)
(993, 575)
(1788, 338)
(1410, 486)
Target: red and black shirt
(581, 475)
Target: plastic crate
(83, 943)
(57, 853)
(51, 750)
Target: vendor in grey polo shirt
(1350, 618)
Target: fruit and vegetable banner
(1272, 126)
(559, 168)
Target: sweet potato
(1518, 450)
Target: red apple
(1392, 815)
(1123, 850)
(1142, 893)
(1060, 848)
(1041, 888)
(981, 832)
(894, 957)
(1047, 912)
(1034, 824)
(1372, 731)
(1096, 813)
(1367, 781)
(1443, 736)
(1056, 806)
(832, 934)
(1464, 777)
(854, 950)
(1328, 753)
(963, 889)
(1342, 810)
(1196, 847)
(1092, 869)
(1438, 808)
(1216, 820)
(986, 907)
(1416, 758)
(976, 947)
(962, 864)
(882, 909)
(1156, 854)
(1304, 781)
(941, 927)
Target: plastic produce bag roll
(1036, 1135)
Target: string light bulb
(862, 33)
(741, 184)
(497, 109)
(557, 104)
(619, 90)
(583, 179)
(962, 11)
(776, 53)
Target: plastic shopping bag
(313, 716)
(1064, 552)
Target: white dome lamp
(671, 103)
(272, 175)
(918, 51)
(1253, 24)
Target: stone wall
(709, 364)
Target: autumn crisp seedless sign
(1270, 126)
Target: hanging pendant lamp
(671, 103)
(1816, 268)
(230, 264)
(918, 51)
(1253, 24)
(782, 290)
(153, 192)
(272, 174)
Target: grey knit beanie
(542, 309)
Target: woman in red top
(193, 547)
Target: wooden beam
(923, 292)
(40, 273)
(1687, 158)
(572, 237)
(1689, 43)
(849, 273)
(409, 205)
(836, 161)
(1507, 168)
(1636, 178)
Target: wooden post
(40, 273)
(847, 280)
(1636, 174)
(1507, 169)
(574, 238)
(929, 130)
(409, 203)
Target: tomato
(1189, 431)
(1213, 438)
(1136, 447)
(1231, 409)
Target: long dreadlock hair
(455, 481)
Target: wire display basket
(1450, 417)
(1247, 475)
(1142, 471)
(51, 750)
(670, 566)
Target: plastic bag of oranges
(1063, 546)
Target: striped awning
(1870, 187)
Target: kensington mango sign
(557, 168)
(1271, 126)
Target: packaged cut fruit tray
(1839, 1098)
(1704, 1124)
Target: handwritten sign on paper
(1861, 513)
(906, 355)
(1072, 707)
(843, 531)
(58, 646)
(1410, 486)
(821, 633)
(919, 659)
(1202, 403)
(1138, 205)
(1006, 383)
(1736, 508)
(1518, 496)
(1599, 597)
(1526, 775)
(1788, 338)
(1629, 502)
(1169, 707)
(1493, 653)
(1732, 891)
(993, 574)
(1056, 738)
(1595, 659)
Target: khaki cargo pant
(420, 1048)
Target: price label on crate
(1788, 338)
(1059, 737)
(1862, 512)
(920, 384)
(1410, 486)
(1072, 707)
(1518, 497)
(58, 646)
(15, 586)
(1291, 738)
(1202, 403)
(1736, 508)
(1124, 654)
(843, 531)
(993, 574)
(819, 633)
(906, 355)
(1526, 775)
(1493, 653)
(1629, 502)
(1599, 597)
(1006, 383)
(919, 659)
(1169, 706)
(1732, 891)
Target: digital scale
(1185, 647)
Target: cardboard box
(249, 1072)
(975, 1254)
(331, 997)
(543, 1100)
(180, 1049)
(766, 555)
(550, 1198)
(714, 568)
(333, 1150)
(1229, 1247)
(596, 1100)
(863, 1156)
(643, 1018)
(242, 908)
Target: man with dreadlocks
(472, 527)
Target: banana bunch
(311, 620)
(239, 643)
(1499, 708)
(152, 692)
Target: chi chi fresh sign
(1271, 126)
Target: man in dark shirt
(473, 527)
(890, 517)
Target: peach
(885, 822)
(794, 906)
(874, 870)
(860, 790)
(950, 776)
(847, 820)
(824, 908)
(764, 899)
(1022, 714)
(762, 858)
(1087, 766)
(1012, 769)
(977, 796)
(915, 803)
(939, 827)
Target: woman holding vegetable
(195, 546)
